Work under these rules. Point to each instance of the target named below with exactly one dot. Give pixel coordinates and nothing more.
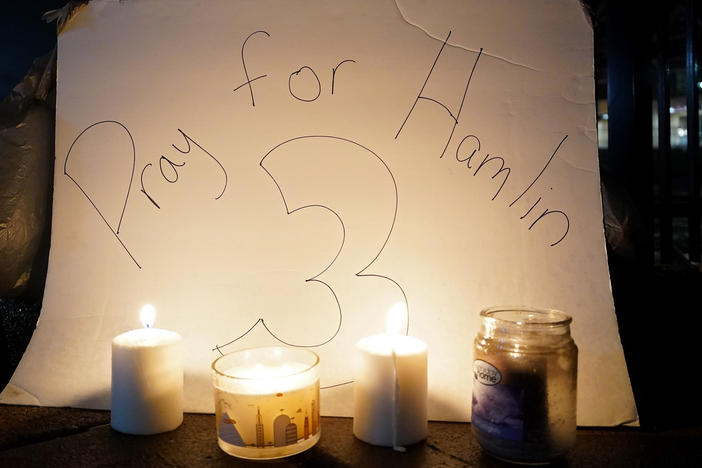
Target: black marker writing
(303, 84)
(335, 69)
(167, 167)
(486, 159)
(564, 217)
(143, 190)
(540, 173)
(472, 142)
(470, 146)
(547, 211)
(307, 78)
(189, 140)
(173, 167)
(529, 210)
(172, 175)
(130, 158)
(343, 144)
(246, 72)
(421, 95)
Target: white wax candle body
(390, 390)
(147, 381)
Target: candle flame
(396, 318)
(147, 315)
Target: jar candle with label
(524, 384)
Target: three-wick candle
(147, 379)
(267, 402)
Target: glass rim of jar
(262, 348)
(544, 317)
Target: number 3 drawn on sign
(318, 277)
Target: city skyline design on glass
(272, 427)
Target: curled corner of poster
(587, 13)
(63, 14)
(12, 394)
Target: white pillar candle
(147, 379)
(390, 388)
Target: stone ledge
(37, 436)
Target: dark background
(656, 284)
(23, 37)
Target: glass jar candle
(267, 402)
(524, 384)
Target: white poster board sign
(271, 172)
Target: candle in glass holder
(147, 379)
(267, 402)
(524, 384)
(390, 387)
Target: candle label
(515, 406)
(268, 422)
(486, 373)
(497, 409)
